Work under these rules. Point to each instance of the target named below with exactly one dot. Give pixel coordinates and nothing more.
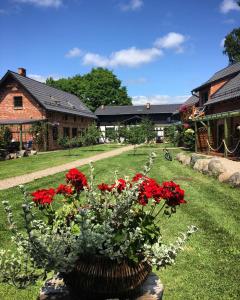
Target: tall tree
(232, 46)
(99, 87)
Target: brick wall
(32, 110)
(61, 121)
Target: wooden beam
(21, 137)
(225, 135)
(209, 134)
(196, 136)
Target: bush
(5, 137)
(189, 138)
(174, 134)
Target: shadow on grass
(136, 154)
(89, 150)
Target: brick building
(214, 107)
(24, 101)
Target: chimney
(22, 72)
(148, 105)
(102, 107)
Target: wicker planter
(98, 278)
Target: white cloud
(131, 57)
(74, 52)
(43, 78)
(158, 99)
(229, 5)
(172, 40)
(43, 3)
(132, 5)
(222, 42)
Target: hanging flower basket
(101, 277)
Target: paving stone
(55, 289)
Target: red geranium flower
(64, 190)
(137, 177)
(77, 179)
(172, 193)
(104, 187)
(43, 197)
(148, 189)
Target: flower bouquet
(103, 239)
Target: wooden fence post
(225, 136)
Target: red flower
(77, 179)
(186, 125)
(43, 197)
(137, 177)
(103, 187)
(121, 185)
(172, 193)
(148, 189)
(64, 190)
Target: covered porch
(218, 134)
(20, 129)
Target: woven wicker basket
(99, 277)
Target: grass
(45, 160)
(209, 266)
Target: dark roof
(192, 100)
(137, 109)
(51, 98)
(230, 70)
(230, 90)
(20, 121)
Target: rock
(195, 157)
(234, 179)
(215, 167)
(187, 161)
(33, 152)
(223, 177)
(201, 165)
(22, 153)
(13, 155)
(7, 157)
(181, 157)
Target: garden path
(22, 179)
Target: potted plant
(103, 239)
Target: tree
(99, 87)
(232, 46)
(91, 136)
(148, 130)
(135, 136)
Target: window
(65, 117)
(55, 133)
(74, 118)
(204, 97)
(18, 103)
(66, 131)
(74, 132)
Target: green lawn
(209, 266)
(45, 160)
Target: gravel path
(22, 179)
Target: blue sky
(160, 49)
